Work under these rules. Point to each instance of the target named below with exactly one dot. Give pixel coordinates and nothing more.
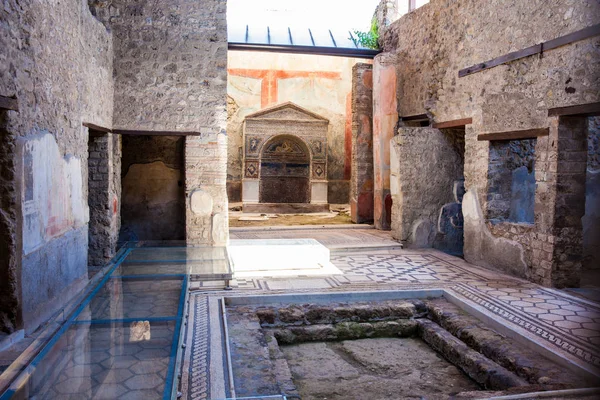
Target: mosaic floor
(565, 324)
(329, 237)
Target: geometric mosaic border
(199, 378)
(535, 326)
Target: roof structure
(287, 39)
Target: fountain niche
(285, 160)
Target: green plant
(369, 39)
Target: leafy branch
(369, 39)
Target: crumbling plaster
(437, 40)
(424, 167)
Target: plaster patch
(483, 248)
(201, 202)
(220, 229)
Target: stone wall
(57, 61)
(437, 40)
(321, 84)
(424, 167)
(171, 75)
(361, 188)
(153, 188)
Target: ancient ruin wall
(437, 40)
(56, 59)
(361, 183)
(153, 188)
(171, 75)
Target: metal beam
(419, 117)
(316, 50)
(514, 135)
(454, 123)
(9, 103)
(536, 49)
(153, 133)
(96, 127)
(582, 110)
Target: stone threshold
(285, 208)
(299, 227)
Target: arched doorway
(285, 171)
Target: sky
(330, 14)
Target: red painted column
(385, 117)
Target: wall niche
(511, 181)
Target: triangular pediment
(287, 111)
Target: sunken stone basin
(380, 350)
(379, 368)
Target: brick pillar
(361, 189)
(104, 188)
(560, 169)
(205, 189)
(569, 206)
(385, 117)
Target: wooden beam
(582, 110)
(9, 103)
(515, 135)
(153, 133)
(454, 123)
(96, 127)
(585, 33)
(419, 117)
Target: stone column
(385, 118)
(361, 183)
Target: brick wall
(104, 193)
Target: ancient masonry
(120, 65)
(361, 186)
(417, 78)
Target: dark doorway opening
(153, 196)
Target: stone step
(524, 362)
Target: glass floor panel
(175, 254)
(215, 269)
(120, 342)
(105, 361)
(134, 298)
